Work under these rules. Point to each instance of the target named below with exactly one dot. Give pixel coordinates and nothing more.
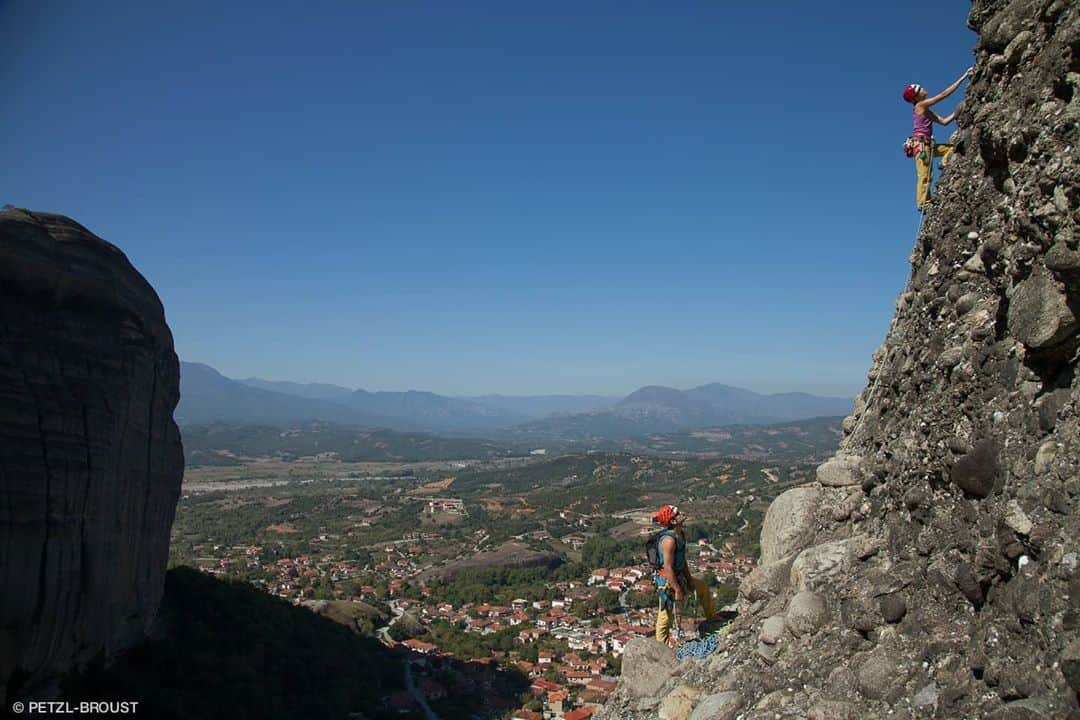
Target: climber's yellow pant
(922, 170)
(666, 612)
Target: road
(383, 633)
(417, 695)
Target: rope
(698, 649)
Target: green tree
(607, 599)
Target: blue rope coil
(697, 649)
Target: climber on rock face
(923, 135)
(674, 580)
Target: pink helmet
(911, 92)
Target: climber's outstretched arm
(946, 92)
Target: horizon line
(471, 395)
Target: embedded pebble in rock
(974, 264)
(766, 581)
(1044, 458)
(789, 523)
(841, 682)
(966, 303)
(807, 613)
(646, 666)
(772, 630)
(841, 470)
(1039, 313)
(1017, 519)
(878, 675)
(1049, 405)
(719, 706)
(679, 703)
(859, 614)
(976, 473)
(926, 698)
(893, 607)
(950, 358)
(817, 566)
(1063, 260)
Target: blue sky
(490, 197)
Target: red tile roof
(579, 714)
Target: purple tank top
(924, 126)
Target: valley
(532, 564)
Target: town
(538, 572)
(582, 637)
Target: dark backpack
(652, 549)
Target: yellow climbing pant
(666, 613)
(922, 170)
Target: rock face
(789, 524)
(646, 665)
(91, 458)
(943, 541)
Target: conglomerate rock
(948, 577)
(90, 458)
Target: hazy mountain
(208, 396)
(311, 391)
(540, 406)
(515, 408)
(434, 412)
(658, 409)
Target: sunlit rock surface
(943, 583)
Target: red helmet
(666, 514)
(911, 92)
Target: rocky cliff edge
(90, 458)
(931, 571)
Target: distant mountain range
(207, 396)
(658, 409)
(535, 407)
(311, 391)
(529, 407)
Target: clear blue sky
(490, 197)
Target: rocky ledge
(931, 570)
(90, 458)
